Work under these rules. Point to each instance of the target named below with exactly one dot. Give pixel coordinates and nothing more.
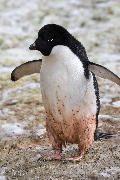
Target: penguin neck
(78, 49)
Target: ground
(23, 138)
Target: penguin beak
(32, 46)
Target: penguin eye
(50, 40)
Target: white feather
(62, 78)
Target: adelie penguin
(69, 89)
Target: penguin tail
(99, 135)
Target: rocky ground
(22, 126)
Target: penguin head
(49, 36)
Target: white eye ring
(50, 40)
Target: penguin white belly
(69, 98)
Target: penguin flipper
(103, 72)
(25, 69)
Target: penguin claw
(76, 158)
(50, 158)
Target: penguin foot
(52, 157)
(76, 158)
(55, 156)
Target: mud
(23, 138)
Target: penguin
(69, 89)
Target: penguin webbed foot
(75, 158)
(52, 157)
(55, 156)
